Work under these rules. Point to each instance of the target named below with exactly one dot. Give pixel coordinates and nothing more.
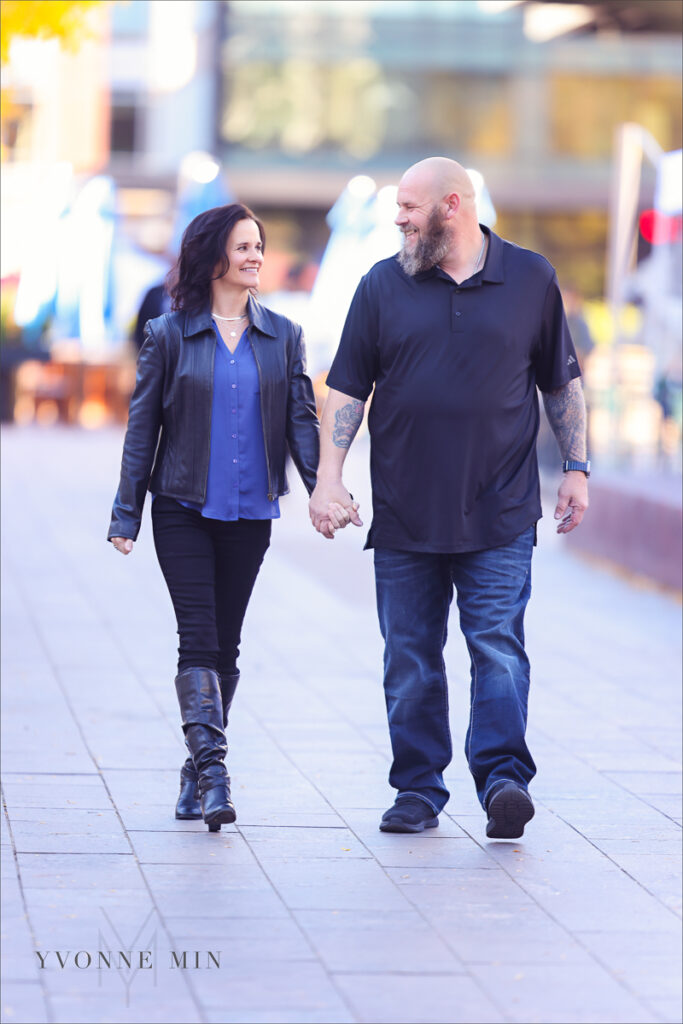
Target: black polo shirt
(455, 413)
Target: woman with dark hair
(221, 394)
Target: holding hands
(331, 508)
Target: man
(455, 333)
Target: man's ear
(452, 201)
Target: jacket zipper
(271, 496)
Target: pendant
(233, 334)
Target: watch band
(571, 464)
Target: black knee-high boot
(188, 807)
(201, 708)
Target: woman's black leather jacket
(166, 449)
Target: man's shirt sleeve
(555, 359)
(354, 367)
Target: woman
(221, 394)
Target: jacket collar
(260, 317)
(200, 320)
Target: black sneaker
(408, 814)
(509, 807)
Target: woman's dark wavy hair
(202, 256)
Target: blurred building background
(144, 112)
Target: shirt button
(457, 314)
(234, 460)
(232, 362)
(233, 386)
(234, 435)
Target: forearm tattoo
(346, 422)
(566, 412)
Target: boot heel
(225, 816)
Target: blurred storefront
(285, 101)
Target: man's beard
(431, 247)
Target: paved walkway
(311, 912)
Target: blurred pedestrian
(221, 393)
(578, 325)
(455, 334)
(156, 301)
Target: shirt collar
(200, 320)
(493, 265)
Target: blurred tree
(65, 20)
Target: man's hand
(572, 500)
(331, 508)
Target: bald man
(457, 333)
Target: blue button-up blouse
(237, 485)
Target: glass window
(361, 109)
(585, 111)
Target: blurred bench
(635, 521)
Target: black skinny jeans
(210, 568)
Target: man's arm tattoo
(346, 422)
(566, 412)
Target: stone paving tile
(333, 884)
(526, 937)
(129, 905)
(264, 815)
(243, 940)
(78, 871)
(649, 965)
(280, 1017)
(18, 960)
(552, 994)
(24, 1003)
(418, 999)
(668, 1010)
(177, 898)
(274, 986)
(54, 791)
(381, 941)
(667, 804)
(69, 836)
(442, 888)
(226, 848)
(342, 790)
(643, 783)
(268, 843)
(456, 853)
(153, 787)
(615, 904)
(76, 1007)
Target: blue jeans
(414, 594)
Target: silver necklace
(233, 334)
